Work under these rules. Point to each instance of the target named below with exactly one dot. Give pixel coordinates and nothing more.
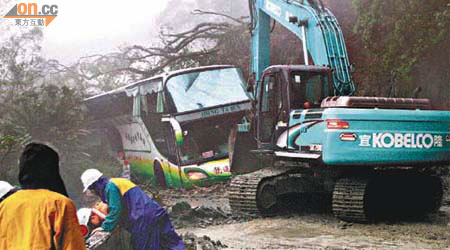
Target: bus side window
(160, 100)
(171, 147)
(144, 106)
(140, 105)
(155, 102)
(151, 102)
(137, 106)
(156, 128)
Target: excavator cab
(284, 89)
(307, 89)
(281, 90)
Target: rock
(180, 208)
(192, 242)
(182, 214)
(344, 225)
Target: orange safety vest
(39, 219)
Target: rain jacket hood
(100, 186)
(39, 169)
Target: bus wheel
(159, 175)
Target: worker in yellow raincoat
(40, 216)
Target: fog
(94, 27)
(85, 27)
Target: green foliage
(397, 35)
(7, 144)
(34, 109)
(49, 113)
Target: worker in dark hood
(39, 169)
(6, 190)
(40, 216)
(147, 222)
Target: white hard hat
(89, 177)
(83, 215)
(5, 187)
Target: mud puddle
(325, 232)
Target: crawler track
(242, 193)
(349, 199)
(387, 196)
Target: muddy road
(322, 231)
(304, 224)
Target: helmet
(83, 215)
(5, 187)
(89, 177)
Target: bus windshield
(205, 89)
(199, 146)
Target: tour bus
(173, 128)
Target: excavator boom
(315, 25)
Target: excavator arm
(314, 25)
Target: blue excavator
(308, 134)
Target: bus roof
(123, 89)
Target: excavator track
(242, 193)
(349, 199)
(387, 196)
(243, 190)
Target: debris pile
(192, 242)
(218, 190)
(183, 215)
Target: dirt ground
(324, 232)
(307, 227)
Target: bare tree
(197, 46)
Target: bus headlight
(195, 176)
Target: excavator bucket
(242, 160)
